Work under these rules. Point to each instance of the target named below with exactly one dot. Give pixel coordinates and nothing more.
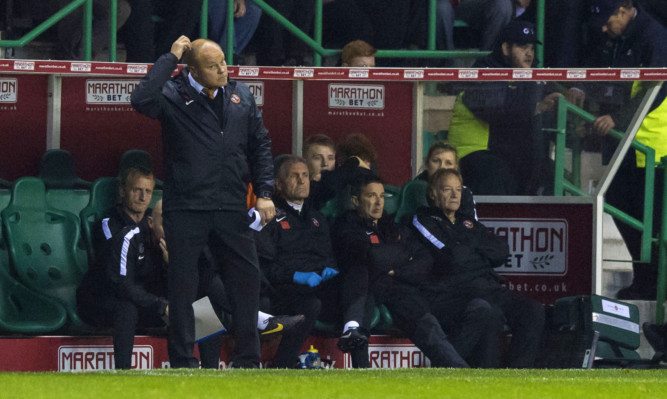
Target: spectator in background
(358, 54)
(70, 28)
(138, 33)
(296, 259)
(274, 44)
(634, 39)
(179, 18)
(486, 17)
(442, 155)
(514, 159)
(355, 157)
(466, 253)
(246, 18)
(320, 154)
(344, 21)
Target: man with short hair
(214, 143)
(319, 151)
(123, 289)
(382, 262)
(296, 259)
(358, 54)
(499, 123)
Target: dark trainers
(289, 323)
(282, 324)
(655, 334)
(351, 339)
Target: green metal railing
(315, 43)
(562, 185)
(55, 18)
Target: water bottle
(313, 360)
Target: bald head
(206, 62)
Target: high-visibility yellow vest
(653, 130)
(466, 132)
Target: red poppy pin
(468, 224)
(374, 239)
(284, 224)
(235, 99)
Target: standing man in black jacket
(214, 144)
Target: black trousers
(233, 246)
(524, 315)
(123, 316)
(314, 304)
(626, 193)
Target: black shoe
(352, 339)
(655, 335)
(243, 365)
(282, 324)
(633, 292)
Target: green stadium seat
(70, 200)
(56, 169)
(392, 199)
(103, 196)
(64, 189)
(413, 196)
(5, 196)
(44, 246)
(25, 311)
(157, 195)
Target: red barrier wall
(22, 124)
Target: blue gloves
(328, 273)
(310, 279)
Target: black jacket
(294, 242)
(464, 251)
(642, 45)
(335, 183)
(207, 168)
(124, 269)
(515, 133)
(380, 248)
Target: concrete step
(646, 314)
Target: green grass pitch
(357, 384)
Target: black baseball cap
(601, 10)
(519, 32)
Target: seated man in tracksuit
(296, 259)
(465, 255)
(382, 262)
(123, 288)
